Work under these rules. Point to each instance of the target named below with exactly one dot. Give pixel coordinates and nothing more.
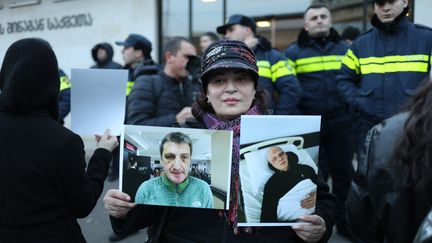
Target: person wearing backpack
(164, 99)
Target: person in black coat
(102, 54)
(391, 190)
(44, 186)
(164, 99)
(287, 174)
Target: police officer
(385, 65)
(316, 59)
(137, 59)
(275, 76)
(64, 96)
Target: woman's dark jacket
(377, 206)
(44, 186)
(185, 225)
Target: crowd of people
(372, 92)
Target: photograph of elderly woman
(278, 169)
(176, 166)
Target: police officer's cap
(237, 19)
(137, 41)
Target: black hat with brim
(237, 19)
(228, 54)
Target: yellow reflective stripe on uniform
(64, 83)
(308, 60)
(317, 67)
(280, 69)
(129, 87)
(291, 64)
(264, 69)
(280, 64)
(264, 64)
(395, 67)
(399, 58)
(275, 71)
(351, 61)
(320, 63)
(399, 63)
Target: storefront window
(278, 20)
(206, 16)
(175, 20)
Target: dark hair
(350, 33)
(175, 137)
(213, 36)
(142, 47)
(173, 44)
(413, 150)
(315, 6)
(201, 105)
(292, 161)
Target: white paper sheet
(98, 100)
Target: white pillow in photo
(289, 208)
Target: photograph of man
(175, 187)
(277, 203)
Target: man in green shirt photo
(175, 187)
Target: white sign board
(98, 100)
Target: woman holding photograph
(229, 80)
(44, 186)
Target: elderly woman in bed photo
(279, 200)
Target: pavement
(96, 227)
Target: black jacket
(156, 99)
(108, 63)
(146, 67)
(186, 225)
(44, 186)
(377, 207)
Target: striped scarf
(214, 123)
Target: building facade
(73, 27)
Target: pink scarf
(213, 122)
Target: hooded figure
(102, 54)
(43, 183)
(29, 79)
